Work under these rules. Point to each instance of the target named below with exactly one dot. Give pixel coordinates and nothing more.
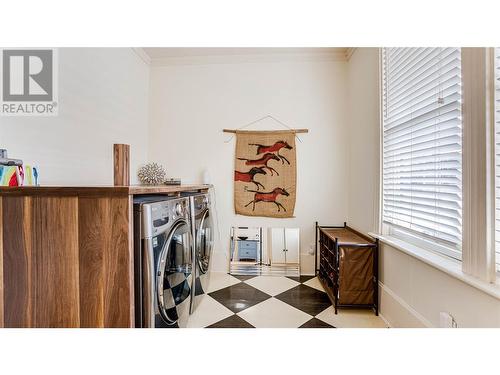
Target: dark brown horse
(263, 162)
(269, 197)
(276, 147)
(249, 176)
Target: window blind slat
(425, 127)
(426, 91)
(424, 74)
(422, 142)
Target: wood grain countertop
(100, 190)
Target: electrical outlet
(311, 249)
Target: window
(422, 145)
(497, 157)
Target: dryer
(203, 233)
(163, 261)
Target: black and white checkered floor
(273, 302)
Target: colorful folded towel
(9, 176)
(18, 176)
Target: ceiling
(217, 51)
(179, 55)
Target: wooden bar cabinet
(67, 257)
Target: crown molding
(142, 55)
(349, 52)
(251, 58)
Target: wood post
(121, 160)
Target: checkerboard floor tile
(272, 285)
(208, 312)
(234, 321)
(314, 283)
(219, 280)
(239, 297)
(273, 302)
(301, 279)
(350, 318)
(272, 313)
(305, 298)
(316, 323)
(244, 277)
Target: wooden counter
(98, 190)
(66, 254)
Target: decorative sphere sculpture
(151, 174)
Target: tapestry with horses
(265, 173)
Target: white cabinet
(292, 245)
(285, 247)
(277, 246)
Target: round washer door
(205, 241)
(174, 274)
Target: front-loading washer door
(174, 276)
(204, 245)
(205, 241)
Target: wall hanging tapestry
(265, 174)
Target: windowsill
(449, 266)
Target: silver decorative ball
(151, 174)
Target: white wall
(191, 104)
(103, 99)
(364, 138)
(412, 293)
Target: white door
(292, 242)
(278, 245)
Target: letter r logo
(27, 75)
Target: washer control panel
(201, 202)
(162, 214)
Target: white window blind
(422, 143)
(497, 157)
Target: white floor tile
(272, 285)
(208, 312)
(273, 313)
(219, 280)
(315, 283)
(347, 318)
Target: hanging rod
(265, 131)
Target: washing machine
(203, 233)
(163, 261)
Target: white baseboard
(387, 323)
(397, 313)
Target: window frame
(478, 154)
(492, 77)
(422, 240)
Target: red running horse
(261, 149)
(249, 176)
(263, 162)
(269, 197)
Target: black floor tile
(239, 297)
(301, 279)
(316, 323)
(244, 277)
(309, 300)
(234, 321)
